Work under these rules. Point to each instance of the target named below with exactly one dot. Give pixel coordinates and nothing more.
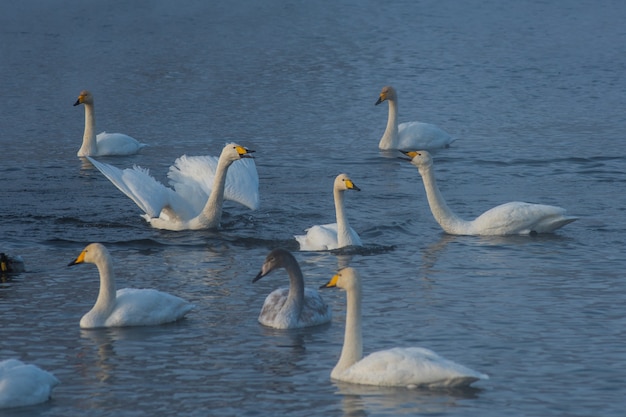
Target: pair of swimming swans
(506, 219)
(409, 135)
(24, 384)
(127, 306)
(333, 235)
(104, 143)
(297, 307)
(201, 184)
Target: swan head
(346, 279)
(387, 93)
(84, 97)
(233, 152)
(91, 254)
(343, 183)
(277, 258)
(421, 159)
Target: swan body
(104, 143)
(201, 184)
(126, 307)
(11, 264)
(334, 235)
(397, 367)
(24, 384)
(293, 307)
(409, 135)
(514, 218)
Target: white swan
(333, 235)
(201, 183)
(514, 218)
(409, 135)
(398, 367)
(22, 384)
(105, 143)
(128, 306)
(293, 307)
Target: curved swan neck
(442, 213)
(295, 298)
(343, 227)
(352, 350)
(89, 146)
(107, 295)
(391, 132)
(211, 214)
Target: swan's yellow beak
(381, 98)
(79, 260)
(244, 152)
(332, 283)
(80, 100)
(351, 186)
(410, 154)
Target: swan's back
(23, 384)
(141, 307)
(314, 312)
(520, 218)
(409, 367)
(116, 144)
(419, 135)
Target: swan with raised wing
(201, 184)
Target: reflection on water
(365, 400)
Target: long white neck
(352, 350)
(89, 146)
(106, 296)
(211, 214)
(343, 227)
(390, 137)
(448, 221)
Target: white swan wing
(422, 136)
(410, 367)
(521, 218)
(192, 178)
(319, 237)
(146, 307)
(324, 237)
(150, 195)
(117, 144)
(24, 384)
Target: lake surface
(533, 91)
